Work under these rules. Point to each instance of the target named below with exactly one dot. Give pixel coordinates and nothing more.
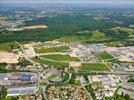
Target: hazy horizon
(113, 2)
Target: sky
(121, 2)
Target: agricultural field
(68, 39)
(122, 32)
(85, 35)
(8, 47)
(104, 56)
(48, 50)
(51, 63)
(94, 67)
(5, 47)
(58, 57)
(98, 36)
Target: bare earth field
(29, 27)
(8, 57)
(35, 26)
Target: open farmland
(85, 36)
(68, 39)
(51, 63)
(58, 57)
(104, 56)
(8, 47)
(5, 47)
(121, 32)
(98, 36)
(48, 50)
(94, 67)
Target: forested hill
(60, 25)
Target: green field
(8, 46)
(51, 63)
(58, 57)
(122, 32)
(98, 36)
(48, 50)
(68, 39)
(85, 36)
(104, 56)
(5, 47)
(84, 32)
(10, 98)
(94, 67)
(122, 29)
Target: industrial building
(19, 83)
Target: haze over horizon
(113, 2)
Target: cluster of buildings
(66, 92)
(10, 24)
(129, 67)
(19, 83)
(16, 19)
(48, 72)
(127, 89)
(86, 52)
(105, 85)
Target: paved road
(106, 64)
(43, 91)
(52, 53)
(20, 46)
(25, 55)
